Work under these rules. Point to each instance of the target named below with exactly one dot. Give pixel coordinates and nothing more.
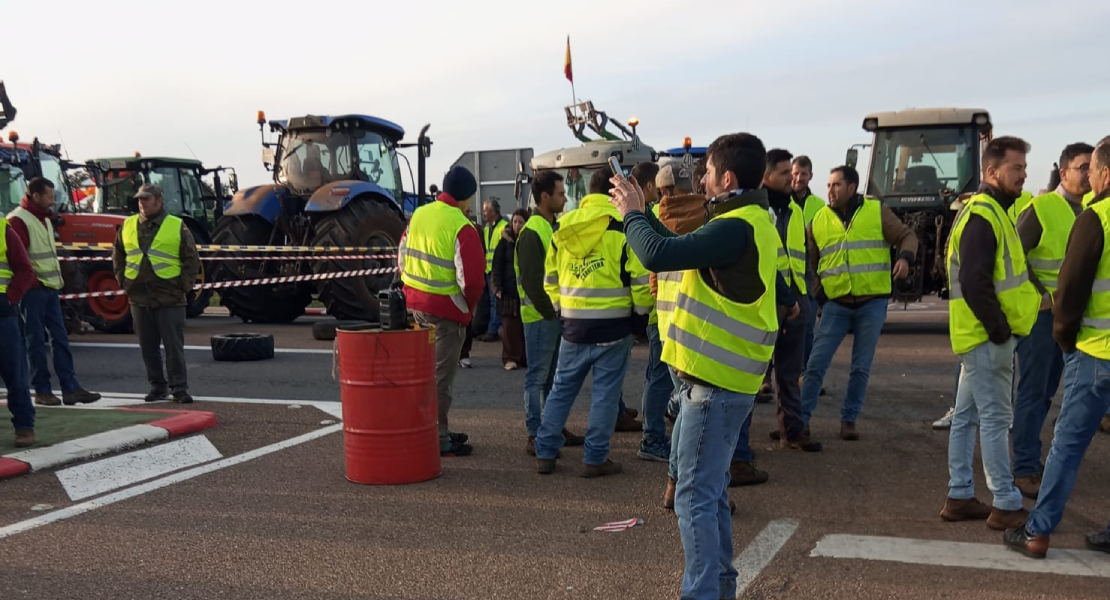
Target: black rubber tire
(257, 303)
(325, 330)
(242, 347)
(365, 221)
(199, 302)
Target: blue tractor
(337, 182)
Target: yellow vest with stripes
(165, 249)
(853, 260)
(429, 251)
(1016, 295)
(722, 342)
(42, 251)
(542, 227)
(1094, 329)
(5, 267)
(1024, 201)
(1056, 217)
(812, 206)
(491, 236)
(792, 256)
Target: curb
(183, 422)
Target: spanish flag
(566, 67)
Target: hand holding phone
(615, 165)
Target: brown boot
(1030, 486)
(24, 438)
(668, 494)
(848, 431)
(572, 439)
(1033, 546)
(47, 400)
(970, 509)
(1001, 520)
(606, 468)
(742, 473)
(626, 423)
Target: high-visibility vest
(1056, 217)
(810, 207)
(1094, 329)
(720, 341)
(5, 267)
(492, 235)
(164, 253)
(542, 227)
(1088, 199)
(1018, 298)
(792, 256)
(1024, 201)
(429, 250)
(853, 260)
(42, 251)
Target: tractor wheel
(198, 300)
(363, 222)
(257, 303)
(110, 314)
(74, 282)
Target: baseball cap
(148, 190)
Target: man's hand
(793, 312)
(901, 269)
(1046, 301)
(626, 195)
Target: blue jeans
(1086, 400)
(984, 397)
(680, 389)
(866, 321)
(657, 389)
(541, 350)
(494, 316)
(743, 451)
(42, 316)
(609, 363)
(1040, 365)
(710, 421)
(13, 370)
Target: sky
(110, 78)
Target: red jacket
(472, 256)
(21, 228)
(23, 276)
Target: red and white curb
(183, 422)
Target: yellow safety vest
(492, 236)
(853, 261)
(429, 250)
(812, 205)
(542, 227)
(6, 273)
(42, 251)
(1088, 199)
(590, 271)
(722, 342)
(1024, 201)
(1016, 295)
(1094, 329)
(1056, 217)
(792, 256)
(164, 253)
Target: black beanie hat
(459, 183)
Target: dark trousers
(512, 342)
(13, 371)
(790, 350)
(43, 324)
(163, 326)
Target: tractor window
(377, 161)
(12, 187)
(923, 161)
(52, 171)
(115, 190)
(311, 159)
(576, 180)
(172, 194)
(191, 194)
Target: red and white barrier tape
(294, 258)
(219, 285)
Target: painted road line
(761, 551)
(105, 475)
(89, 446)
(132, 399)
(327, 351)
(150, 486)
(1083, 563)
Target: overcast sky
(113, 77)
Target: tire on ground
(325, 330)
(242, 347)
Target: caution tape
(219, 285)
(236, 248)
(306, 257)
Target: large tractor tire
(257, 303)
(110, 314)
(363, 222)
(199, 300)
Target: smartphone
(615, 165)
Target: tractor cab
(23, 162)
(682, 159)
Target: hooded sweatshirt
(590, 241)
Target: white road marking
(143, 488)
(116, 399)
(105, 475)
(1060, 561)
(203, 348)
(89, 446)
(761, 551)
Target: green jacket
(148, 290)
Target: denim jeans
(1040, 364)
(866, 321)
(680, 389)
(710, 424)
(743, 450)
(657, 389)
(494, 316)
(609, 363)
(1086, 400)
(984, 397)
(541, 349)
(13, 370)
(42, 316)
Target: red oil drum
(388, 389)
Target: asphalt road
(287, 524)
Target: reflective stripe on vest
(164, 253)
(725, 343)
(1056, 217)
(5, 269)
(854, 260)
(542, 227)
(1017, 297)
(491, 240)
(792, 257)
(1094, 329)
(42, 251)
(429, 250)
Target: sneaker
(1018, 539)
(626, 423)
(24, 438)
(453, 447)
(465, 363)
(1030, 486)
(155, 395)
(182, 398)
(970, 509)
(741, 473)
(47, 400)
(511, 366)
(945, 422)
(655, 451)
(1001, 520)
(604, 469)
(80, 397)
(571, 440)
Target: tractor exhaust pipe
(424, 146)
